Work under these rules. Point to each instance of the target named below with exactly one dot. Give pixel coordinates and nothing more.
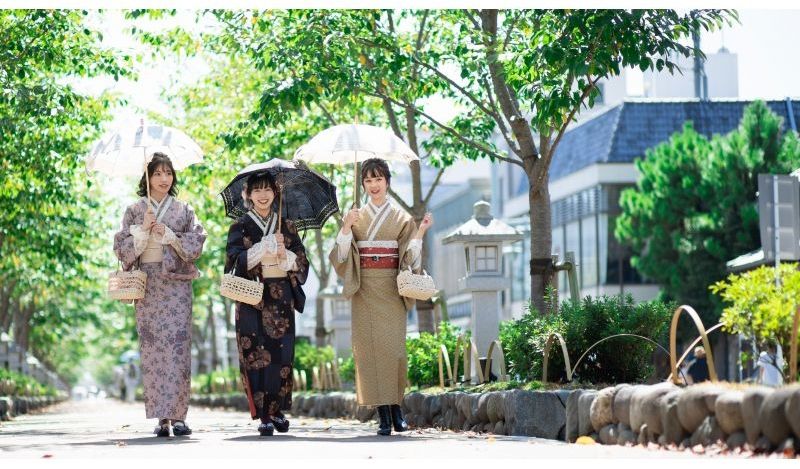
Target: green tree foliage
(47, 275)
(694, 207)
(757, 307)
(520, 74)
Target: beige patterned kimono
(164, 315)
(378, 311)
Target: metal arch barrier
(614, 336)
(691, 346)
(793, 347)
(673, 329)
(445, 359)
(546, 358)
(495, 345)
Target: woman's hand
(279, 239)
(350, 219)
(281, 251)
(427, 222)
(149, 219)
(159, 229)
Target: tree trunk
(230, 346)
(324, 274)
(212, 323)
(541, 265)
(426, 320)
(198, 340)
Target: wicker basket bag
(240, 289)
(126, 286)
(411, 285)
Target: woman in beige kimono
(375, 241)
(164, 238)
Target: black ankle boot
(385, 418)
(398, 421)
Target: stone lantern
(483, 238)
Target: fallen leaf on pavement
(585, 440)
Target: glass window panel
(589, 259)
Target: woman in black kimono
(258, 250)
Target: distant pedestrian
(698, 370)
(770, 363)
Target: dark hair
(375, 167)
(159, 160)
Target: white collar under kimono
(268, 225)
(160, 208)
(379, 216)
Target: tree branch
(501, 124)
(327, 113)
(460, 88)
(510, 30)
(400, 201)
(548, 156)
(472, 18)
(508, 104)
(433, 186)
(488, 151)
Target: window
(486, 258)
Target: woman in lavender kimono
(163, 238)
(259, 249)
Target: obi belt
(378, 254)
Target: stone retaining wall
(761, 418)
(764, 419)
(13, 406)
(526, 413)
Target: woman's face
(262, 198)
(161, 181)
(376, 187)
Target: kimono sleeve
(348, 270)
(295, 244)
(191, 238)
(408, 257)
(124, 241)
(236, 251)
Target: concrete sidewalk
(112, 429)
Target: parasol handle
(146, 175)
(280, 206)
(147, 182)
(355, 180)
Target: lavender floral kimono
(164, 316)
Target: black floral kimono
(265, 332)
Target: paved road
(110, 429)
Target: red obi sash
(379, 258)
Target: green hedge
(217, 382)
(423, 354)
(618, 360)
(13, 383)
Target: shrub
(218, 382)
(13, 383)
(583, 323)
(423, 354)
(347, 370)
(307, 356)
(758, 308)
